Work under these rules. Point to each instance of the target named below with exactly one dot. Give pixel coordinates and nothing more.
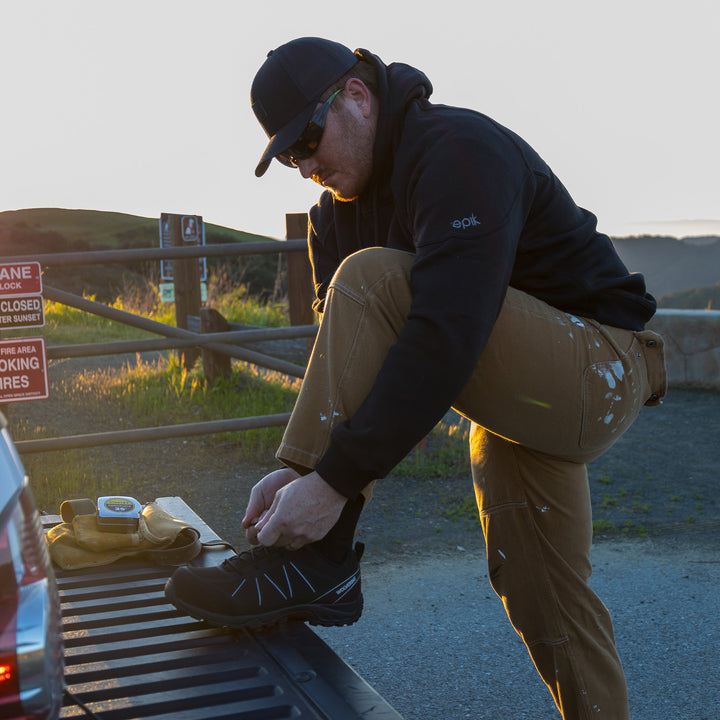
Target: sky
(142, 106)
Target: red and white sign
(23, 370)
(21, 278)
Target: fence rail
(94, 257)
(170, 331)
(229, 343)
(119, 347)
(162, 432)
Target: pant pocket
(653, 350)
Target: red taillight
(8, 677)
(9, 688)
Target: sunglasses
(310, 138)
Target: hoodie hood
(398, 86)
(365, 222)
(369, 216)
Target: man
(452, 269)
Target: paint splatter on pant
(550, 393)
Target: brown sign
(180, 231)
(22, 312)
(23, 370)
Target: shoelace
(253, 556)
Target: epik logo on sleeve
(465, 223)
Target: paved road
(435, 642)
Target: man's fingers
(251, 511)
(265, 519)
(274, 529)
(253, 528)
(251, 535)
(302, 512)
(257, 505)
(263, 493)
(278, 531)
(268, 534)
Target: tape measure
(118, 513)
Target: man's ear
(357, 91)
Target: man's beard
(337, 196)
(358, 144)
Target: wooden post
(186, 278)
(300, 283)
(215, 364)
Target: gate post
(186, 278)
(300, 283)
(215, 365)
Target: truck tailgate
(130, 654)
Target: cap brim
(285, 137)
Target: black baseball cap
(288, 86)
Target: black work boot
(266, 585)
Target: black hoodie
(481, 211)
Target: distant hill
(671, 228)
(50, 230)
(99, 229)
(705, 298)
(672, 265)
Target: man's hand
(262, 497)
(302, 511)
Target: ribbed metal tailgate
(130, 654)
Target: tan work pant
(551, 392)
